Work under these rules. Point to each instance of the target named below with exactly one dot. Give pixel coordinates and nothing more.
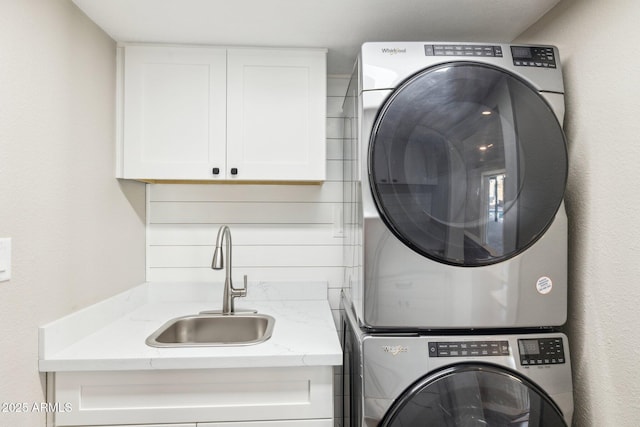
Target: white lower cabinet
(240, 397)
(281, 423)
(153, 425)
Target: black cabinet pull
(234, 171)
(216, 171)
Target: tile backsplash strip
(279, 232)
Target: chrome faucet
(218, 263)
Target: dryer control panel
(541, 351)
(462, 50)
(531, 56)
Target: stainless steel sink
(213, 330)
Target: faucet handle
(244, 287)
(241, 292)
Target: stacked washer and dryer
(456, 253)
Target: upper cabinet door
(174, 118)
(276, 114)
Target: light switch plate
(5, 259)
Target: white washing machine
(455, 172)
(514, 380)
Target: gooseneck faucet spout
(218, 263)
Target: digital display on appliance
(529, 347)
(519, 52)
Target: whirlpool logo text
(393, 51)
(395, 349)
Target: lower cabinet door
(282, 423)
(235, 397)
(149, 425)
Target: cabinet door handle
(234, 171)
(215, 171)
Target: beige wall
(599, 48)
(77, 234)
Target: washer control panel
(468, 348)
(529, 56)
(541, 351)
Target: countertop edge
(50, 366)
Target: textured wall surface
(77, 233)
(601, 58)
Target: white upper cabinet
(276, 104)
(174, 112)
(207, 114)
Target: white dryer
(455, 171)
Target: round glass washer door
(474, 395)
(467, 164)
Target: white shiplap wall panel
(328, 192)
(243, 234)
(279, 232)
(334, 106)
(242, 212)
(334, 149)
(335, 126)
(247, 256)
(334, 172)
(332, 275)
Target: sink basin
(213, 330)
